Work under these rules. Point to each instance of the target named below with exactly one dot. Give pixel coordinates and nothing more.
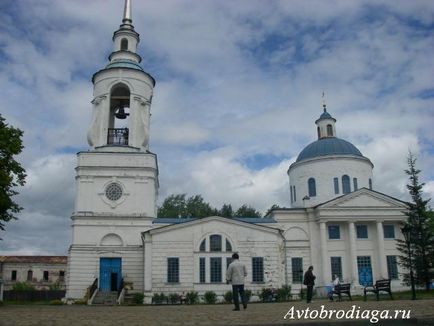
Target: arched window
(312, 187)
(292, 197)
(29, 275)
(355, 184)
(329, 130)
(346, 187)
(203, 245)
(319, 132)
(124, 44)
(370, 183)
(228, 245)
(215, 242)
(294, 193)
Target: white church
(336, 222)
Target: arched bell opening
(119, 115)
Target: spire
(127, 13)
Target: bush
(1, 303)
(247, 295)
(159, 298)
(228, 297)
(80, 302)
(174, 298)
(56, 302)
(23, 286)
(266, 295)
(55, 286)
(210, 297)
(284, 293)
(192, 297)
(138, 298)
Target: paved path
(422, 313)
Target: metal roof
(124, 63)
(328, 146)
(175, 220)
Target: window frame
(336, 267)
(334, 228)
(215, 270)
(346, 184)
(257, 269)
(172, 270)
(386, 234)
(14, 275)
(392, 267)
(46, 276)
(212, 243)
(202, 270)
(360, 233)
(297, 274)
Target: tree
(247, 211)
(181, 206)
(226, 211)
(419, 220)
(273, 207)
(12, 174)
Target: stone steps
(105, 298)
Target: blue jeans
(239, 289)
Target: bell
(120, 113)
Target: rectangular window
(294, 193)
(257, 269)
(202, 271)
(392, 267)
(297, 270)
(290, 190)
(216, 269)
(13, 275)
(173, 270)
(30, 275)
(389, 231)
(61, 276)
(370, 184)
(45, 275)
(336, 267)
(336, 184)
(334, 232)
(362, 231)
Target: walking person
(235, 274)
(309, 281)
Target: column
(353, 253)
(147, 260)
(324, 261)
(382, 264)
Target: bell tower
(117, 178)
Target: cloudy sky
(239, 87)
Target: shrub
(284, 293)
(159, 298)
(247, 295)
(266, 295)
(1, 303)
(56, 302)
(23, 286)
(210, 297)
(192, 297)
(228, 297)
(55, 286)
(138, 298)
(174, 298)
(80, 302)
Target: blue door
(365, 270)
(110, 274)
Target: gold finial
(323, 101)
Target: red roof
(34, 259)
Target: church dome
(328, 146)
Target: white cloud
(235, 80)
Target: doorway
(110, 272)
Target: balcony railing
(117, 136)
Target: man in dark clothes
(309, 281)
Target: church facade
(337, 221)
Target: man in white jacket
(235, 274)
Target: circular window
(113, 191)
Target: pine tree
(419, 220)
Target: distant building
(337, 222)
(41, 272)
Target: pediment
(364, 198)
